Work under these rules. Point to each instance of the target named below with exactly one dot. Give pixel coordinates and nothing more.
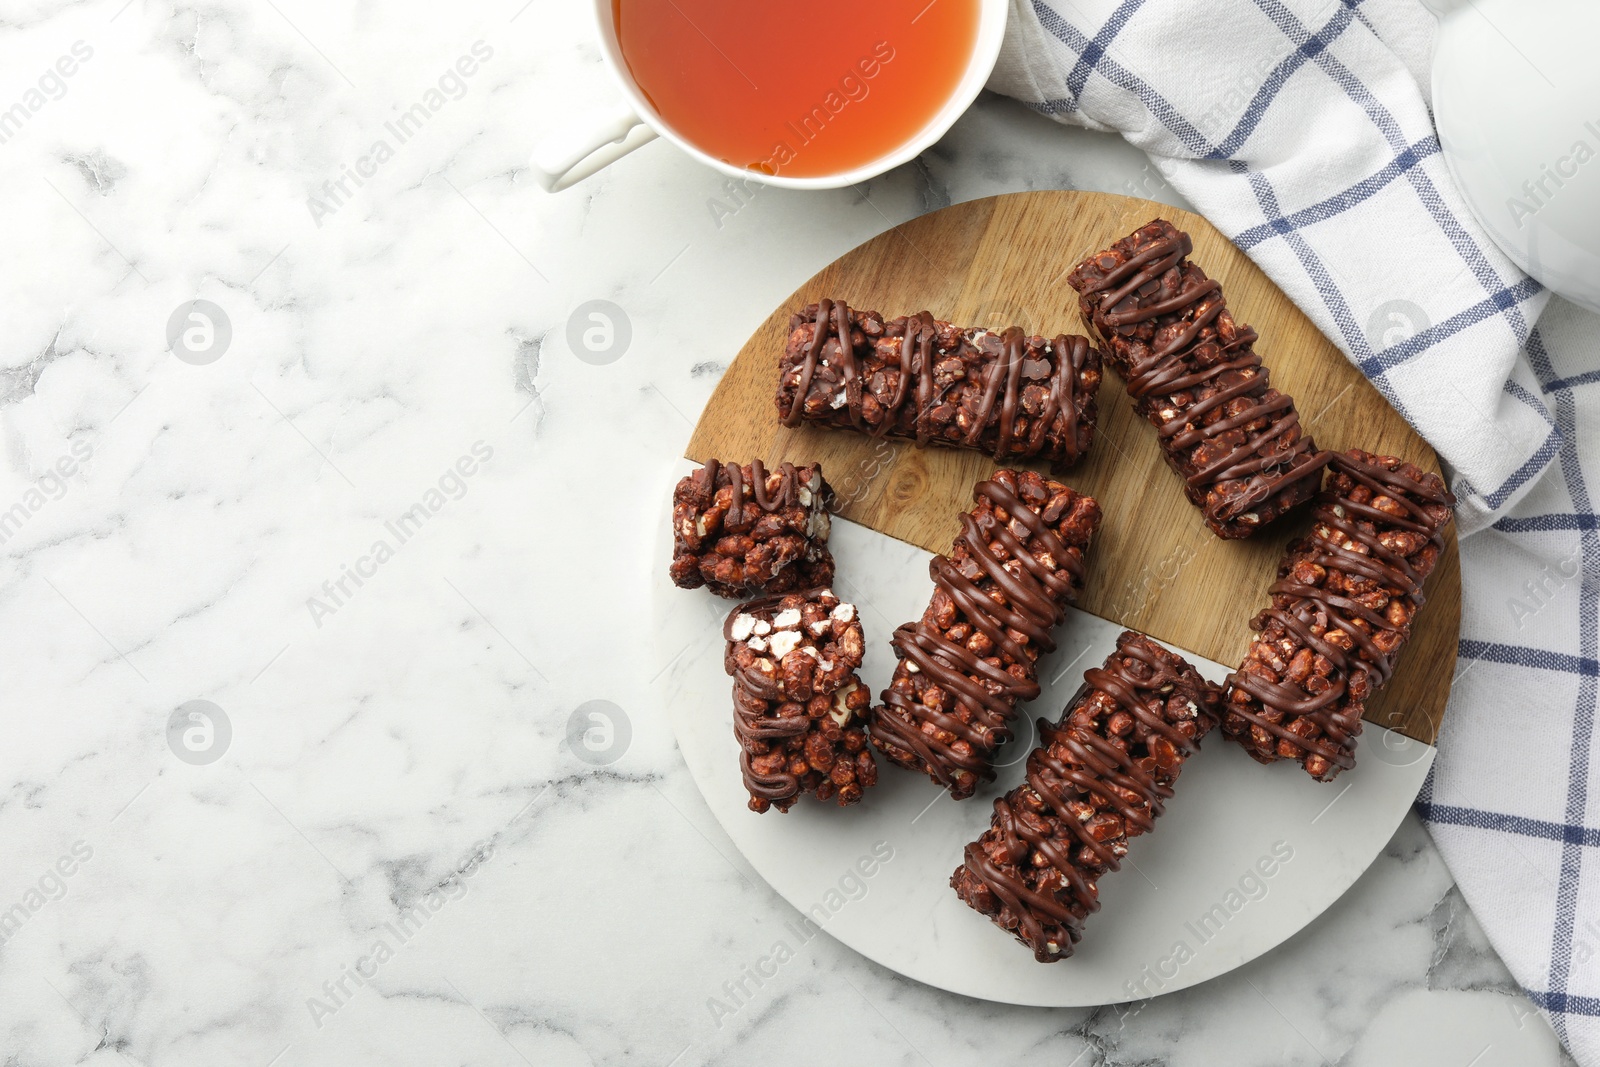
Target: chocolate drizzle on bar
(1100, 776)
(798, 715)
(741, 531)
(950, 721)
(787, 496)
(749, 726)
(1194, 373)
(1008, 394)
(1356, 645)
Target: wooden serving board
(1154, 566)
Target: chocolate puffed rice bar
(1193, 372)
(1009, 394)
(743, 530)
(1341, 610)
(972, 657)
(798, 706)
(1099, 777)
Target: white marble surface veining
(382, 519)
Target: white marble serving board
(1244, 857)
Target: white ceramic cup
(590, 142)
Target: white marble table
(395, 531)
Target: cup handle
(586, 144)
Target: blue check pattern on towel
(1302, 130)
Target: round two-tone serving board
(1195, 899)
(1003, 261)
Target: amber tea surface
(799, 89)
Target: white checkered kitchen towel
(1302, 129)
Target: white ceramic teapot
(1516, 97)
